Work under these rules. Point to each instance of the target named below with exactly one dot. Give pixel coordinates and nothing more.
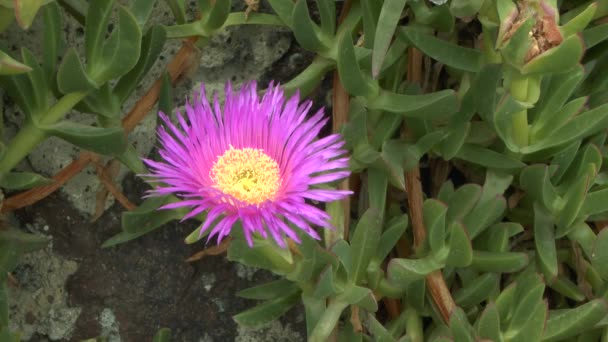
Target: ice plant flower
(257, 160)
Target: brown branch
(34, 195)
(106, 180)
(179, 65)
(213, 250)
(434, 281)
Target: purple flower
(256, 160)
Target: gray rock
(39, 305)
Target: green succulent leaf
(488, 325)
(479, 290)
(9, 66)
(327, 12)
(434, 213)
(438, 105)
(108, 141)
(544, 239)
(578, 23)
(595, 35)
(390, 15)
(565, 56)
(461, 251)
(163, 335)
(266, 312)
(71, 76)
(151, 47)
(460, 327)
(405, 271)
(453, 55)
(25, 11)
(306, 32)
(53, 41)
(269, 291)
(120, 51)
(365, 241)
(506, 262)
(393, 231)
(218, 15)
(488, 158)
(144, 219)
(599, 255)
(23, 180)
(571, 322)
(462, 201)
(351, 76)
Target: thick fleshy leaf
(141, 10)
(306, 32)
(465, 8)
(361, 296)
(488, 326)
(144, 219)
(365, 241)
(580, 126)
(438, 105)
(3, 303)
(518, 45)
(109, 141)
(461, 251)
(530, 311)
(53, 39)
(95, 30)
(9, 66)
(506, 262)
(453, 142)
(380, 333)
(544, 240)
(351, 76)
(565, 56)
(151, 46)
(573, 201)
(405, 271)
(561, 117)
(120, 51)
(386, 25)
(434, 213)
(284, 9)
(272, 290)
(163, 335)
(462, 201)
(484, 215)
(178, 8)
(488, 158)
(558, 90)
(571, 322)
(217, 16)
(392, 233)
(266, 312)
(595, 35)
(71, 76)
(478, 291)
(460, 327)
(23, 180)
(25, 11)
(578, 23)
(599, 254)
(535, 180)
(453, 55)
(327, 12)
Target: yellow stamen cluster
(247, 174)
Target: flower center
(247, 174)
